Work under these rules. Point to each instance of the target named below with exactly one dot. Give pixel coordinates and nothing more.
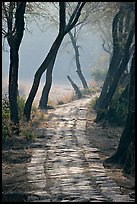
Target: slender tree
(82, 21)
(49, 61)
(14, 16)
(78, 65)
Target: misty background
(35, 45)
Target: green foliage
(5, 117)
(85, 91)
(6, 126)
(21, 104)
(99, 74)
(118, 109)
(26, 130)
(93, 102)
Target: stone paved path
(64, 167)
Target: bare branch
(75, 15)
(5, 10)
(62, 16)
(10, 17)
(104, 47)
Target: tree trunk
(114, 64)
(63, 30)
(129, 165)
(79, 72)
(45, 65)
(13, 89)
(45, 92)
(14, 41)
(75, 87)
(121, 156)
(105, 103)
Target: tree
(125, 154)
(13, 16)
(49, 61)
(82, 21)
(120, 58)
(76, 48)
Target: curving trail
(63, 167)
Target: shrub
(99, 74)
(118, 109)
(93, 102)
(85, 91)
(21, 104)
(6, 126)
(5, 117)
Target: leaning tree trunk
(63, 30)
(45, 92)
(105, 103)
(14, 41)
(122, 156)
(79, 71)
(75, 87)
(46, 63)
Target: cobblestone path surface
(63, 167)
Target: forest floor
(17, 152)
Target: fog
(34, 48)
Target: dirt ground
(16, 153)
(106, 139)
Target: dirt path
(64, 166)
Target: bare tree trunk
(45, 92)
(48, 63)
(14, 41)
(13, 88)
(79, 71)
(63, 30)
(114, 64)
(128, 135)
(105, 103)
(75, 87)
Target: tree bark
(75, 87)
(13, 88)
(63, 30)
(115, 61)
(48, 62)
(128, 135)
(105, 103)
(14, 40)
(79, 71)
(45, 92)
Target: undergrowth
(25, 127)
(118, 108)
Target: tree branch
(62, 16)
(75, 16)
